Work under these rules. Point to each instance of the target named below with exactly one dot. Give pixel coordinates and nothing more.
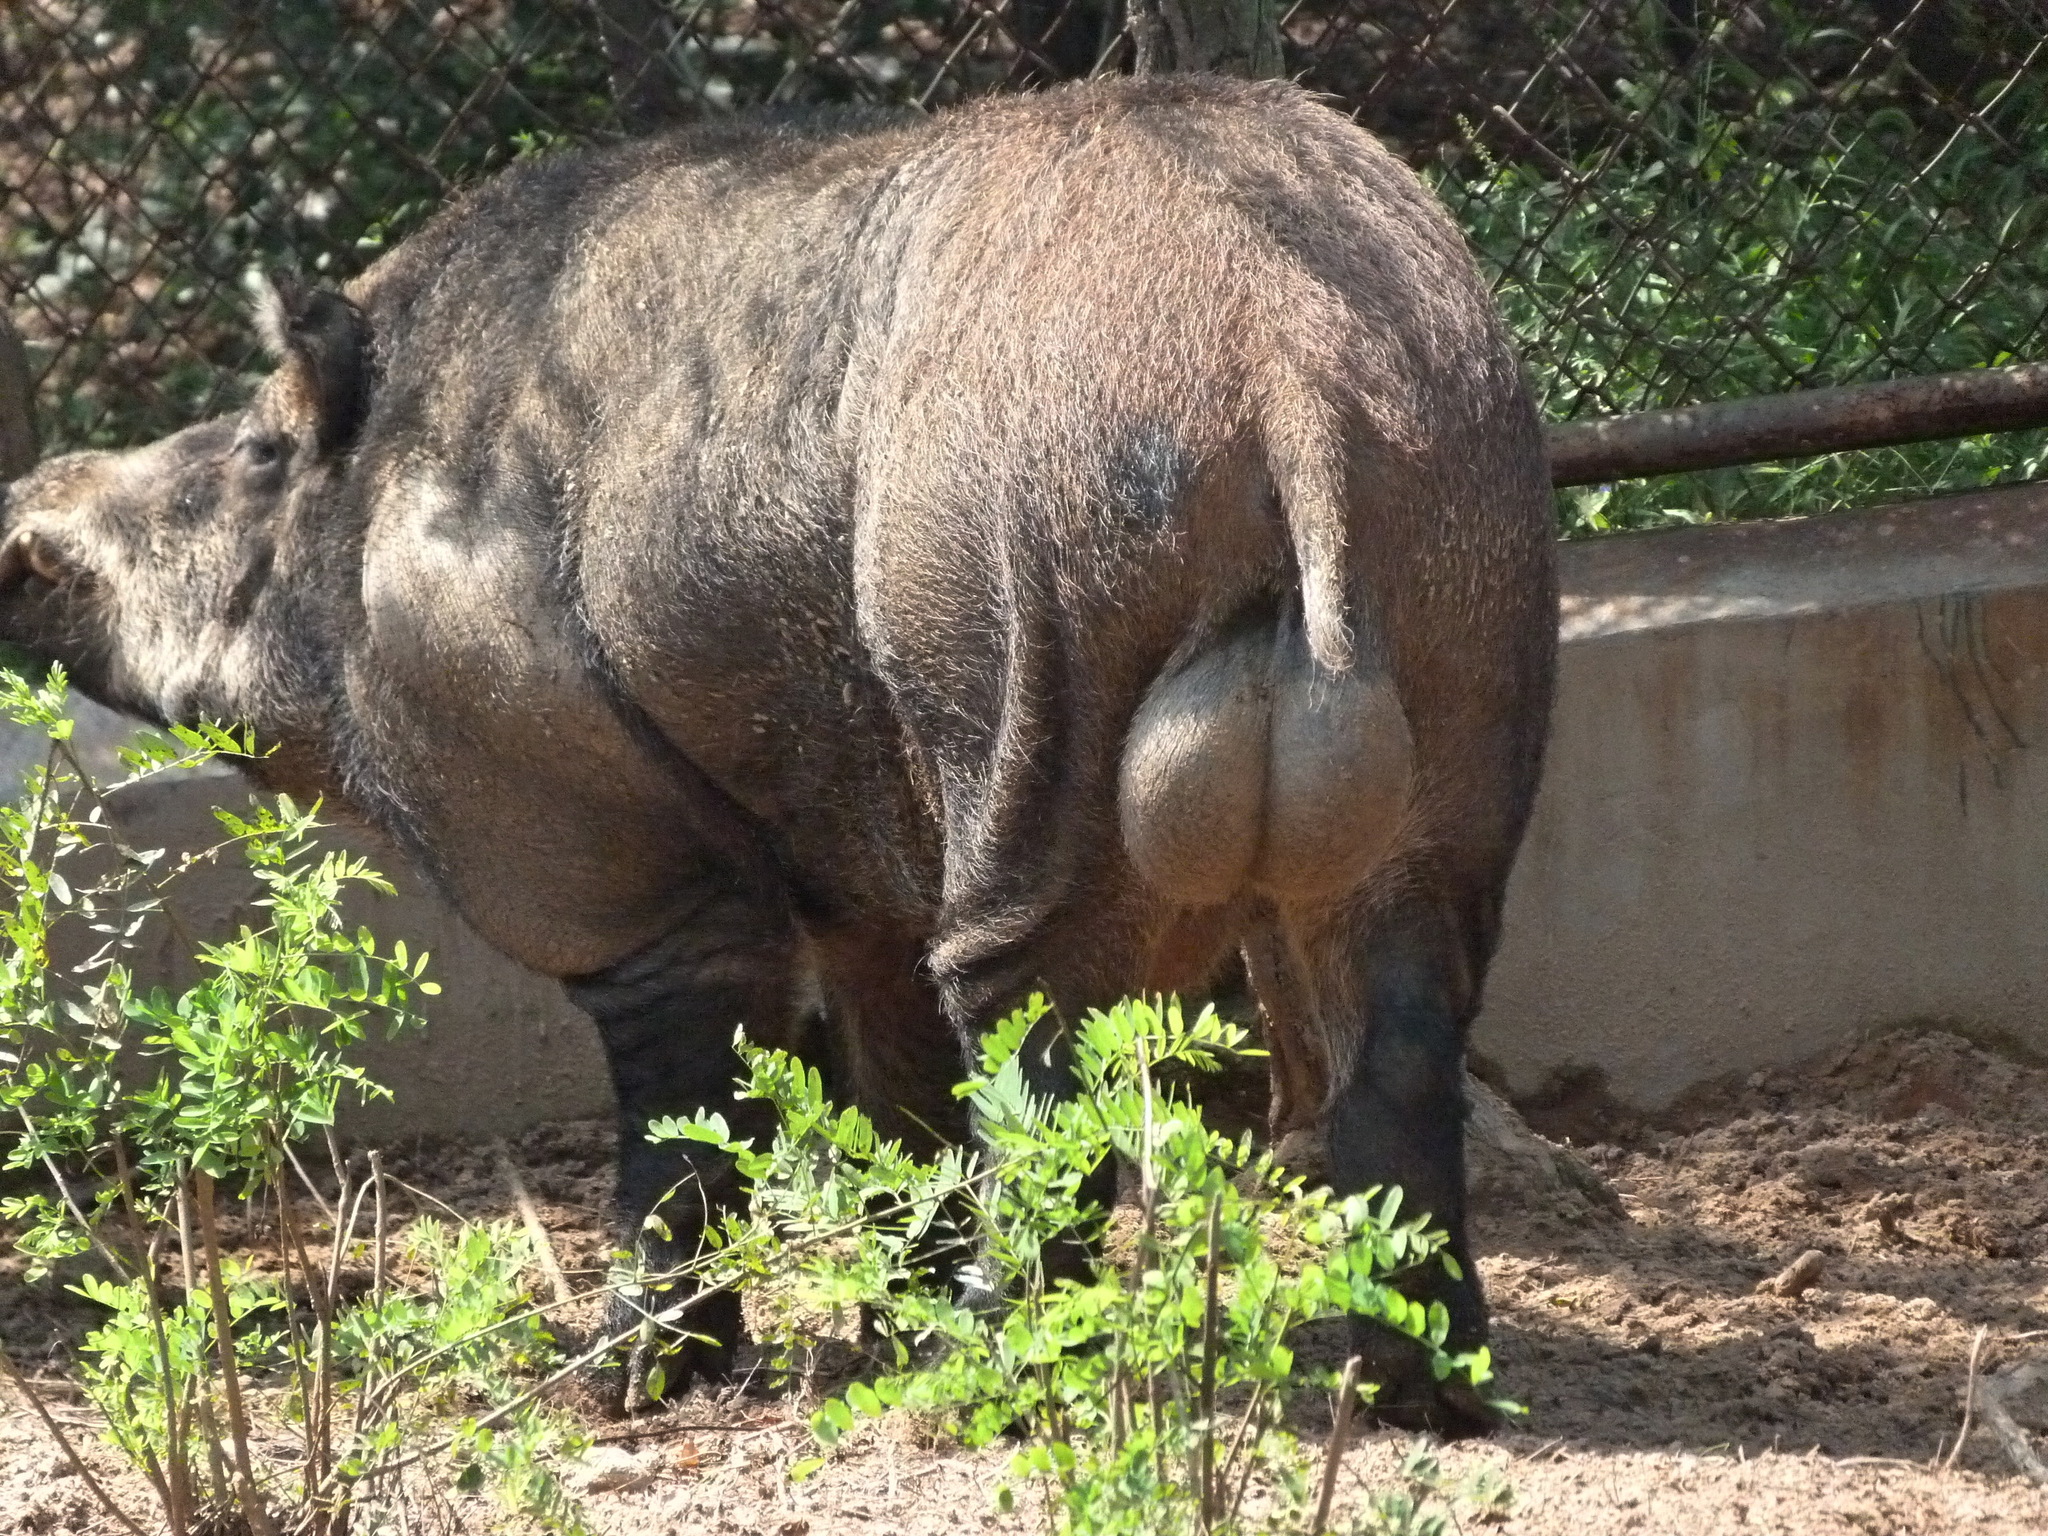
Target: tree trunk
(17, 406)
(1225, 37)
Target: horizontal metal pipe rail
(1804, 423)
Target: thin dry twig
(1148, 1201)
(1206, 1442)
(1340, 1431)
(209, 1429)
(1999, 1386)
(377, 1264)
(253, 1508)
(506, 1410)
(420, 1194)
(341, 1230)
(663, 1431)
(1969, 1400)
(312, 1189)
(1245, 1426)
(530, 1215)
(85, 1224)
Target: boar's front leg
(666, 1015)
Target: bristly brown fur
(876, 565)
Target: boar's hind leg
(1082, 954)
(1381, 989)
(666, 1016)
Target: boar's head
(173, 580)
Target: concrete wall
(503, 1048)
(1794, 797)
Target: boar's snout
(28, 556)
(32, 510)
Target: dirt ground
(1665, 1393)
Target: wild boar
(873, 567)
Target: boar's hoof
(647, 1371)
(1409, 1397)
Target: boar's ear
(322, 344)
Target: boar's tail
(1301, 429)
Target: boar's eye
(260, 452)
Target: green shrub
(134, 1107)
(1148, 1395)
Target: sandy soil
(1665, 1392)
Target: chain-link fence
(1681, 200)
